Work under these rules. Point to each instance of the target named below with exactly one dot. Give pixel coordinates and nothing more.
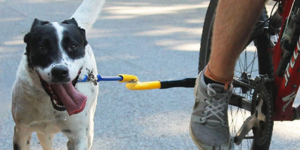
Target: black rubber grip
(187, 82)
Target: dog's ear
(27, 39)
(70, 21)
(82, 31)
(36, 23)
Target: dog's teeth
(60, 106)
(56, 104)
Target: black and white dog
(46, 97)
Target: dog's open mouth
(64, 96)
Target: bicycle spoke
(245, 60)
(252, 65)
(240, 64)
(252, 62)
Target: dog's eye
(42, 48)
(73, 46)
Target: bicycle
(268, 97)
(264, 98)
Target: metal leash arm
(133, 83)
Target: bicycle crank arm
(247, 126)
(252, 121)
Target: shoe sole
(197, 142)
(194, 137)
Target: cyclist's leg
(233, 24)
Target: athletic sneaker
(209, 122)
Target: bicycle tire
(265, 65)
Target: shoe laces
(215, 108)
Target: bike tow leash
(133, 83)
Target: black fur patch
(16, 147)
(72, 21)
(42, 46)
(66, 131)
(74, 40)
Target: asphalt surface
(152, 39)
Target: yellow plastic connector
(128, 78)
(133, 83)
(143, 85)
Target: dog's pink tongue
(73, 100)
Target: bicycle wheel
(254, 60)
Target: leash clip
(91, 77)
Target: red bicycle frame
(286, 87)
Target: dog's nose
(60, 73)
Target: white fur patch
(59, 31)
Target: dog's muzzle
(63, 95)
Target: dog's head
(55, 49)
(56, 52)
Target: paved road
(152, 39)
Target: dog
(46, 97)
